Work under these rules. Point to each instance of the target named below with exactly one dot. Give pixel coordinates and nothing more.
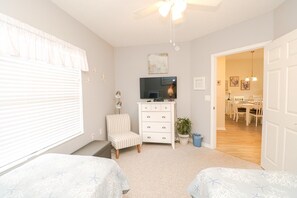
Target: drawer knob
(164, 138)
(163, 117)
(163, 127)
(148, 127)
(148, 116)
(148, 137)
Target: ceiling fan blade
(211, 3)
(142, 12)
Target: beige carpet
(160, 171)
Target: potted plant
(183, 126)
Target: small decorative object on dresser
(184, 127)
(156, 122)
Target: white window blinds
(39, 106)
(40, 91)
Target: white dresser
(156, 122)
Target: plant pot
(183, 139)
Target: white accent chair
(120, 134)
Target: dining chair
(238, 98)
(234, 100)
(238, 110)
(257, 111)
(257, 98)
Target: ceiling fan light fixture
(176, 15)
(254, 78)
(164, 9)
(180, 5)
(247, 79)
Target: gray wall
(98, 94)
(285, 18)
(131, 63)
(254, 31)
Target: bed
(243, 183)
(65, 176)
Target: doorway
(238, 138)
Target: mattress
(243, 183)
(65, 176)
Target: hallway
(240, 140)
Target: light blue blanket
(64, 176)
(243, 183)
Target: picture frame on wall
(199, 83)
(245, 85)
(158, 63)
(234, 81)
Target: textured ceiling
(113, 20)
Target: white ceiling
(113, 20)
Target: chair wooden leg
(138, 148)
(117, 153)
(256, 121)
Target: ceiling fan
(174, 8)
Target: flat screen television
(158, 87)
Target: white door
(279, 132)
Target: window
(39, 106)
(40, 91)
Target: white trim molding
(213, 134)
(221, 129)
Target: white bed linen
(65, 176)
(243, 183)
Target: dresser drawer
(156, 117)
(146, 107)
(156, 127)
(165, 107)
(155, 107)
(156, 137)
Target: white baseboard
(206, 145)
(221, 129)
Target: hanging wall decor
(245, 85)
(118, 102)
(234, 81)
(158, 63)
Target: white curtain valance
(21, 40)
